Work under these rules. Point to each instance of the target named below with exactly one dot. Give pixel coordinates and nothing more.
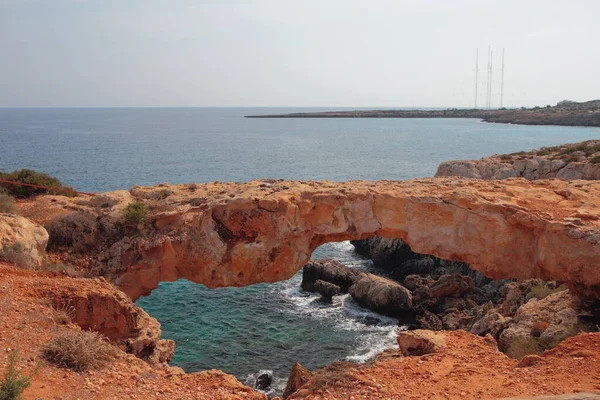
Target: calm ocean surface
(262, 327)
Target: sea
(263, 327)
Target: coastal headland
(565, 113)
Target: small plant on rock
(595, 160)
(14, 382)
(79, 350)
(135, 213)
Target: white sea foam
(377, 332)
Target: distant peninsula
(567, 113)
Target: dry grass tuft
(79, 350)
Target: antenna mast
(476, 74)
(487, 83)
(502, 82)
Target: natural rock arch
(264, 231)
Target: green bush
(14, 383)
(595, 160)
(542, 153)
(33, 178)
(505, 157)
(135, 213)
(7, 202)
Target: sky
(322, 53)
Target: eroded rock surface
(264, 231)
(569, 161)
(22, 242)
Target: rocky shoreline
(564, 113)
(451, 249)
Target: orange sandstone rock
(512, 228)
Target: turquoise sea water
(261, 327)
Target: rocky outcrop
(569, 161)
(420, 342)
(94, 304)
(550, 321)
(264, 231)
(298, 377)
(22, 242)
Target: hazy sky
(295, 53)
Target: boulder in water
(331, 271)
(326, 289)
(264, 379)
(381, 295)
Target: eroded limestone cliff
(236, 234)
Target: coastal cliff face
(229, 234)
(38, 307)
(569, 161)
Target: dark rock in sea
(381, 295)
(298, 377)
(328, 270)
(326, 289)
(264, 380)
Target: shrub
(63, 313)
(505, 157)
(79, 350)
(135, 213)
(542, 153)
(33, 178)
(14, 383)
(522, 346)
(77, 230)
(7, 202)
(595, 160)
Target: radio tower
(502, 82)
(476, 74)
(489, 79)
